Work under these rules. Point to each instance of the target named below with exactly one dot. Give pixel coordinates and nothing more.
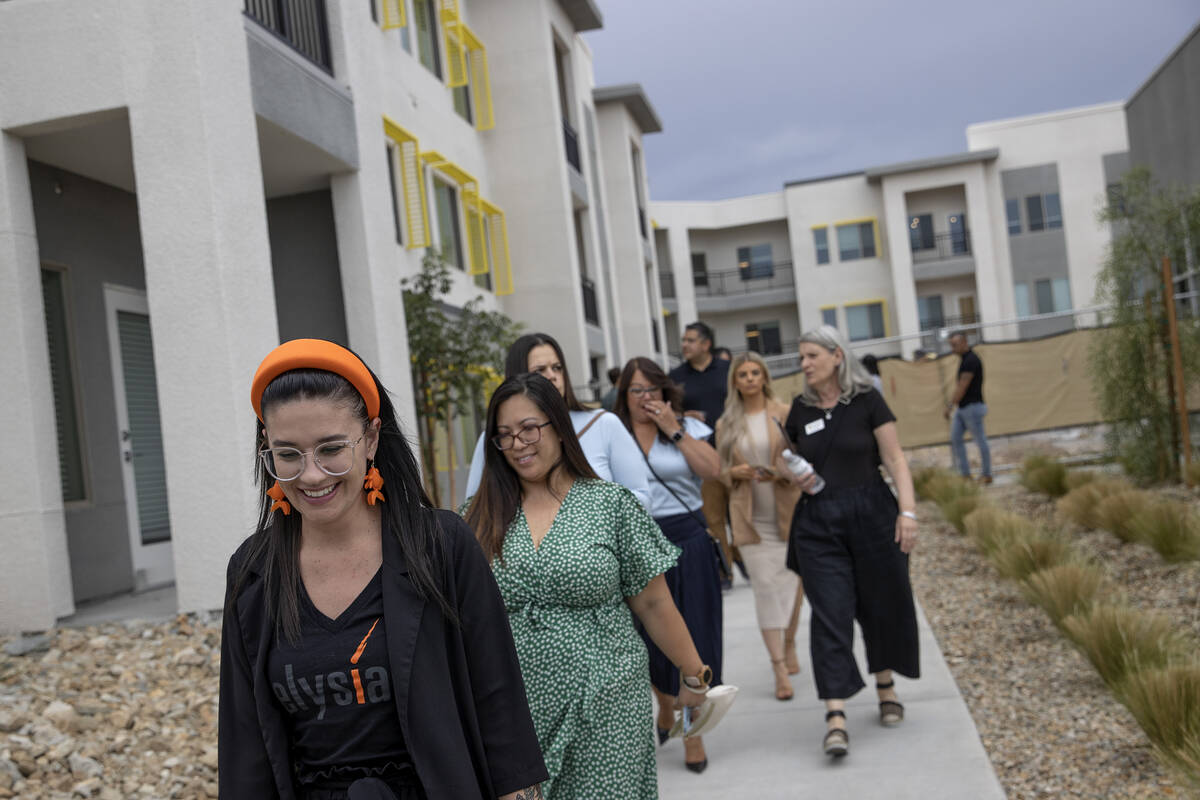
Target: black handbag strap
(667, 486)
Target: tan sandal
(783, 690)
(789, 656)
(837, 740)
(891, 712)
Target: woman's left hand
(663, 416)
(906, 533)
(689, 698)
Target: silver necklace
(829, 412)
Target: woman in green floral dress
(576, 558)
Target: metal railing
(666, 282)
(945, 245)
(571, 139)
(591, 311)
(744, 281)
(300, 23)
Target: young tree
(1131, 360)
(457, 359)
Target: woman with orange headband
(365, 650)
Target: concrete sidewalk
(769, 749)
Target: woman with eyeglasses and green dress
(577, 558)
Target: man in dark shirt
(705, 381)
(968, 408)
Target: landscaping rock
(24, 645)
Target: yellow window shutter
(456, 56)
(497, 231)
(481, 84)
(412, 184)
(393, 14)
(476, 237)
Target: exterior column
(33, 535)
(895, 212)
(209, 286)
(993, 275)
(679, 245)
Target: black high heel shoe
(663, 734)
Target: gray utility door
(143, 466)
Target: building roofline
(822, 178)
(584, 14)
(1162, 66)
(635, 100)
(1046, 116)
(875, 174)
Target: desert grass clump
(926, 477)
(1116, 512)
(1044, 475)
(1064, 589)
(1171, 528)
(1078, 477)
(1118, 639)
(956, 509)
(1081, 504)
(949, 486)
(1166, 703)
(1031, 553)
(993, 529)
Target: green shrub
(1165, 701)
(1116, 512)
(1081, 504)
(1080, 477)
(1170, 527)
(993, 529)
(1117, 638)
(1064, 590)
(1044, 475)
(1028, 554)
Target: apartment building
(996, 236)
(184, 185)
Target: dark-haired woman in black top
(850, 541)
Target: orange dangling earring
(372, 485)
(276, 494)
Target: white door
(143, 467)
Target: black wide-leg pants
(843, 545)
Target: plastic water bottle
(801, 468)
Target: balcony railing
(666, 282)
(591, 311)
(300, 23)
(744, 281)
(945, 245)
(572, 141)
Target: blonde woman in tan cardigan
(761, 503)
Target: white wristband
(910, 514)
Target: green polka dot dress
(584, 665)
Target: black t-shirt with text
(971, 363)
(335, 688)
(853, 454)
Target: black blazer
(458, 689)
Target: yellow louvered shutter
(393, 14)
(412, 184)
(456, 56)
(476, 237)
(497, 232)
(481, 86)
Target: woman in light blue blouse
(677, 458)
(610, 450)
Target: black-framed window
(699, 269)
(856, 240)
(829, 316)
(425, 24)
(920, 232)
(821, 243)
(929, 310)
(445, 198)
(1035, 213)
(865, 321)
(462, 103)
(755, 261)
(1012, 210)
(763, 338)
(958, 234)
(62, 386)
(396, 217)
(1053, 210)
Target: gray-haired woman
(850, 541)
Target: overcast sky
(758, 92)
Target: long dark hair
(495, 505)
(407, 512)
(517, 363)
(672, 394)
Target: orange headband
(315, 354)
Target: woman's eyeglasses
(287, 463)
(638, 391)
(528, 434)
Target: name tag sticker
(816, 426)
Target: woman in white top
(677, 458)
(761, 502)
(610, 450)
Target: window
(755, 261)
(829, 316)
(62, 385)
(449, 237)
(1033, 205)
(425, 17)
(1060, 290)
(1021, 296)
(821, 242)
(699, 269)
(396, 217)
(960, 242)
(1012, 209)
(930, 311)
(920, 232)
(1053, 211)
(1045, 297)
(462, 102)
(763, 338)
(856, 240)
(865, 321)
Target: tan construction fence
(1028, 386)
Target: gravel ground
(1050, 726)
